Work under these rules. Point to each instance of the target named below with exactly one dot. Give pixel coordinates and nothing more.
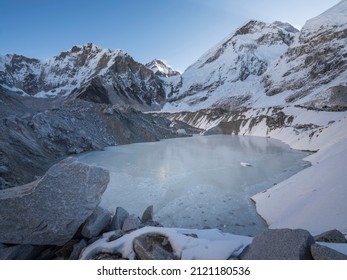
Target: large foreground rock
(50, 210)
(280, 244)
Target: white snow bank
(210, 244)
(315, 198)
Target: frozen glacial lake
(197, 182)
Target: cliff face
(313, 70)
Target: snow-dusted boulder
(51, 209)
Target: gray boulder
(20, 252)
(152, 246)
(131, 223)
(77, 249)
(51, 209)
(96, 223)
(324, 253)
(332, 236)
(119, 218)
(147, 215)
(280, 244)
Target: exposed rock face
(122, 79)
(280, 244)
(315, 64)
(50, 210)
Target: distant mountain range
(258, 65)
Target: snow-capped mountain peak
(113, 76)
(217, 78)
(160, 68)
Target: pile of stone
(298, 244)
(58, 215)
(99, 222)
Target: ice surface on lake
(197, 182)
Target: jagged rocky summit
(86, 72)
(258, 65)
(161, 69)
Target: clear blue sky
(178, 31)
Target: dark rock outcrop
(51, 209)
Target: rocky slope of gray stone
(35, 133)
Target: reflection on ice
(197, 182)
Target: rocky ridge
(113, 74)
(313, 69)
(262, 65)
(36, 133)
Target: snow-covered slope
(313, 199)
(211, 244)
(229, 74)
(120, 79)
(261, 65)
